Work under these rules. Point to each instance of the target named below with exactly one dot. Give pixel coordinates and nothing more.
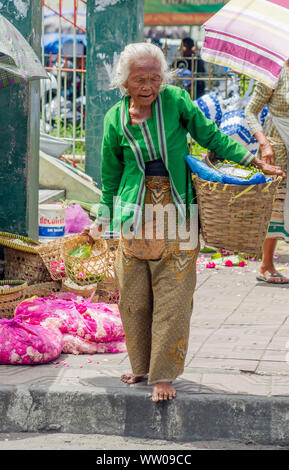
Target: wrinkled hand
(268, 169)
(268, 154)
(93, 231)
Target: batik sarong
(156, 294)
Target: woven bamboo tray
(235, 217)
(10, 298)
(85, 291)
(14, 241)
(51, 255)
(85, 271)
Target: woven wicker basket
(108, 289)
(22, 262)
(10, 298)
(235, 217)
(43, 289)
(108, 293)
(24, 265)
(112, 246)
(85, 271)
(51, 254)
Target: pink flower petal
(210, 265)
(228, 263)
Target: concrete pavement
(102, 442)
(235, 384)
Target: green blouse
(126, 148)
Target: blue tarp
(51, 41)
(210, 174)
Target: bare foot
(130, 378)
(163, 391)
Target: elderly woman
(144, 171)
(274, 148)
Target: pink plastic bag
(21, 343)
(76, 345)
(76, 218)
(76, 316)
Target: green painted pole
(19, 132)
(111, 25)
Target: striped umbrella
(250, 37)
(18, 61)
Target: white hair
(135, 51)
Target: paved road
(44, 441)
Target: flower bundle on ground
(64, 322)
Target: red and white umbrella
(250, 37)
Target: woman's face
(144, 80)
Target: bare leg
(267, 264)
(163, 391)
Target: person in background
(143, 171)
(274, 150)
(191, 61)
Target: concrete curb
(130, 412)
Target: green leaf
(80, 252)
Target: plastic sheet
(76, 218)
(234, 124)
(211, 105)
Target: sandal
(276, 274)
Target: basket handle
(244, 191)
(210, 159)
(278, 180)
